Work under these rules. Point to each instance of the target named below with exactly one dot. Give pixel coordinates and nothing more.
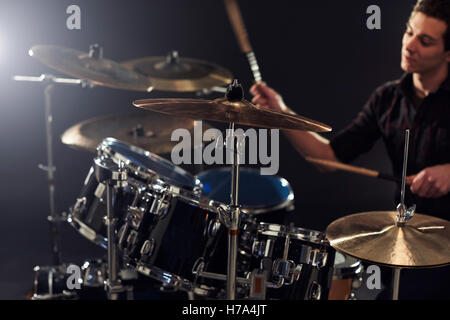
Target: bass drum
(265, 198)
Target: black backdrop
(318, 54)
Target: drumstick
(234, 14)
(346, 167)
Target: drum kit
(218, 234)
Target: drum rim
(309, 235)
(87, 231)
(105, 149)
(256, 210)
(347, 271)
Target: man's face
(423, 48)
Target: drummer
(419, 100)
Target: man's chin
(408, 68)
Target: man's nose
(411, 45)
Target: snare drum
(267, 198)
(164, 224)
(347, 277)
(299, 262)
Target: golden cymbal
(240, 112)
(424, 241)
(173, 73)
(147, 130)
(86, 66)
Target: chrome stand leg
(50, 168)
(234, 222)
(396, 283)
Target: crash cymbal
(424, 241)
(147, 130)
(240, 112)
(173, 73)
(91, 67)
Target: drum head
(147, 164)
(257, 193)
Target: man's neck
(425, 83)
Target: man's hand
(266, 97)
(431, 182)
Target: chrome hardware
(316, 257)
(131, 240)
(404, 214)
(134, 216)
(315, 291)
(213, 228)
(147, 248)
(199, 266)
(283, 268)
(99, 191)
(160, 205)
(259, 248)
(80, 205)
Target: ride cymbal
(424, 241)
(173, 73)
(91, 67)
(240, 112)
(149, 131)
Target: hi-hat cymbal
(173, 73)
(88, 66)
(240, 112)
(147, 130)
(424, 241)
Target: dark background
(318, 54)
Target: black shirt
(388, 113)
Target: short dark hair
(438, 9)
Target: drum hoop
(255, 210)
(151, 176)
(306, 235)
(167, 278)
(87, 232)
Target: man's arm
(308, 144)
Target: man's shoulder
(389, 87)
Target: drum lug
(80, 205)
(99, 191)
(131, 241)
(199, 266)
(259, 248)
(160, 205)
(315, 291)
(285, 269)
(134, 216)
(213, 228)
(147, 249)
(317, 258)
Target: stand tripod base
(50, 283)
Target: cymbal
(424, 241)
(87, 66)
(173, 73)
(240, 112)
(147, 130)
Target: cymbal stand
(49, 81)
(404, 214)
(114, 180)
